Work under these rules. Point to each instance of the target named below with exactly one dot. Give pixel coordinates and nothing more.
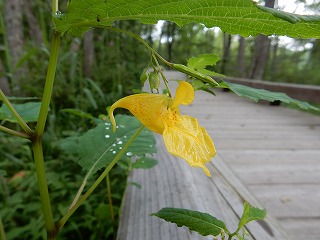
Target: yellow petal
(184, 94)
(188, 140)
(148, 108)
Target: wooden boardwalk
(274, 153)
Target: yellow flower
(182, 135)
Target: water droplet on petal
(107, 136)
(129, 154)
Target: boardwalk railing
(303, 92)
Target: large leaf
(97, 147)
(261, 94)
(202, 223)
(28, 111)
(232, 16)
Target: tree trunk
(4, 82)
(260, 52)
(89, 55)
(171, 29)
(226, 52)
(274, 60)
(33, 23)
(241, 57)
(14, 30)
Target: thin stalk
(143, 42)
(37, 138)
(43, 187)
(49, 84)
(153, 53)
(110, 204)
(2, 232)
(14, 133)
(17, 116)
(65, 218)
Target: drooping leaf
(97, 147)
(261, 94)
(145, 163)
(199, 85)
(194, 74)
(251, 214)
(202, 62)
(232, 16)
(28, 111)
(202, 223)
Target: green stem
(110, 204)
(14, 133)
(2, 232)
(65, 218)
(143, 42)
(49, 84)
(37, 138)
(43, 187)
(22, 123)
(154, 53)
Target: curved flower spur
(182, 135)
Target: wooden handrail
(303, 92)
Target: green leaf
(199, 85)
(257, 94)
(145, 163)
(251, 214)
(202, 223)
(232, 16)
(97, 147)
(202, 62)
(143, 76)
(28, 111)
(195, 74)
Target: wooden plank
(280, 173)
(173, 183)
(227, 183)
(310, 228)
(289, 200)
(284, 156)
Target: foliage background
(89, 86)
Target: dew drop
(120, 148)
(107, 136)
(107, 128)
(113, 145)
(125, 136)
(120, 142)
(129, 154)
(114, 152)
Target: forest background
(93, 72)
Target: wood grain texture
(267, 155)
